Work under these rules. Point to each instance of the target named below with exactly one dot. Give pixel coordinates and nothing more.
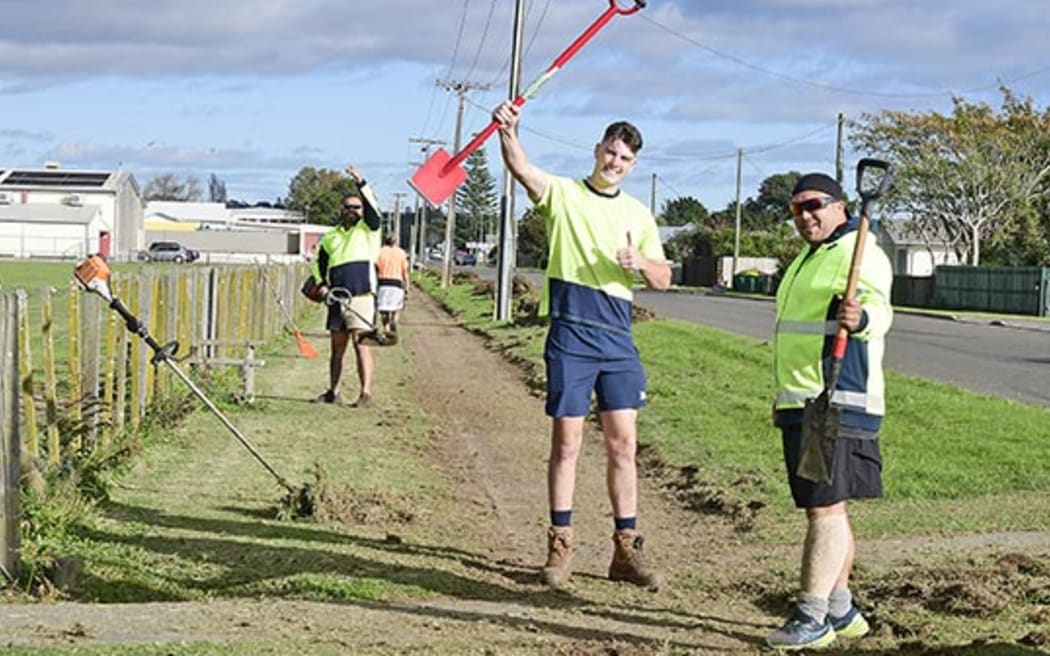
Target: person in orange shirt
(392, 272)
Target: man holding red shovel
(600, 238)
(810, 311)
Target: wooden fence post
(10, 467)
(54, 445)
(94, 360)
(75, 384)
(25, 371)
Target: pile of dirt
(688, 486)
(971, 589)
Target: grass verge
(955, 462)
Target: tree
(765, 230)
(681, 211)
(477, 203)
(319, 194)
(533, 247)
(971, 176)
(769, 209)
(168, 186)
(216, 189)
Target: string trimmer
(376, 335)
(93, 275)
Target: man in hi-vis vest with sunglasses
(600, 239)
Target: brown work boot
(628, 563)
(559, 556)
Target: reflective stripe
(860, 400)
(794, 397)
(808, 327)
(840, 397)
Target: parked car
(465, 258)
(168, 251)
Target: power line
(755, 149)
(831, 87)
(535, 33)
(481, 43)
(448, 74)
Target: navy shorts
(857, 470)
(619, 384)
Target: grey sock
(814, 606)
(840, 601)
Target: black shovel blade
(820, 432)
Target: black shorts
(857, 475)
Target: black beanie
(819, 182)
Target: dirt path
(489, 438)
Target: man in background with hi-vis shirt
(599, 239)
(346, 258)
(392, 269)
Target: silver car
(168, 251)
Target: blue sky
(252, 90)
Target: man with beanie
(810, 309)
(600, 239)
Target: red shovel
(441, 174)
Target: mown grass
(955, 461)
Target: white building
(53, 212)
(911, 251)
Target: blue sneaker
(850, 625)
(802, 632)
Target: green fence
(1016, 290)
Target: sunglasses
(354, 207)
(811, 205)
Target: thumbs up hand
(629, 257)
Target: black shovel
(820, 423)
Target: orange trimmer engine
(93, 275)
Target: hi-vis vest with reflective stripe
(805, 328)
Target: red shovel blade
(434, 182)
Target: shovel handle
(864, 166)
(613, 10)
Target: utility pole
(736, 237)
(652, 196)
(461, 89)
(839, 156)
(507, 243)
(396, 216)
(420, 223)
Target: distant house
(914, 249)
(55, 212)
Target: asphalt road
(1010, 361)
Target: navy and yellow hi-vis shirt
(346, 256)
(588, 294)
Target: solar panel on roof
(56, 178)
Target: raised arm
(373, 219)
(533, 178)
